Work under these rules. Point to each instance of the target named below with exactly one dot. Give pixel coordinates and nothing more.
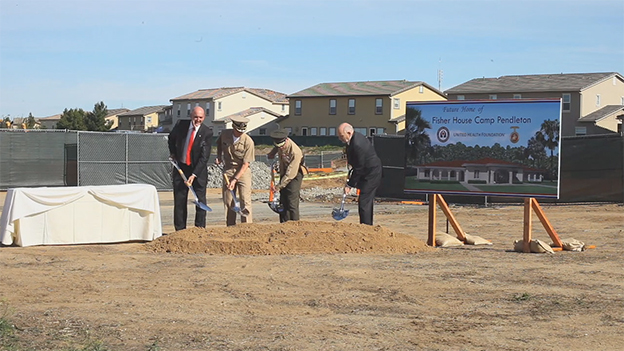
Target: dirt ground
(325, 285)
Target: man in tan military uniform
(235, 150)
(291, 170)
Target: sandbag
(476, 240)
(536, 246)
(572, 244)
(446, 240)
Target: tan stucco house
(372, 107)
(591, 102)
(141, 119)
(112, 117)
(261, 106)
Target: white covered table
(80, 215)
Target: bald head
(345, 132)
(198, 115)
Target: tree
(417, 139)
(548, 136)
(96, 120)
(30, 121)
(72, 119)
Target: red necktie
(189, 147)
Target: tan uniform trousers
(243, 192)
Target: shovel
(196, 201)
(236, 208)
(340, 213)
(273, 201)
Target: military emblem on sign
(515, 136)
(443, 134)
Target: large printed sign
(486, 147)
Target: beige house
(50, 121)
(141, 119)
(261, 106)
(112, 117)
(374, 107)
(591, 102)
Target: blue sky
(57, 54)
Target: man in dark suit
(189, 145)
(365, 170)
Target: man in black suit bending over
(189, 145)
(366, 170)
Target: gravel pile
(260, 176)
(261, 179)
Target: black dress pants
(289, 199)
(180, 198)
(368, 188)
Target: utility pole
(440, 74)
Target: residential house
(50, 121)
(112, 117)
(141, 119)
(372, 107)
(261, 106)
(591, 102)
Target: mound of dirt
(295, 237)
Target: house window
(207, 109)
(396, 103)
(622, 102)
(427, 173)
(351, 106)
(461, 97)
(179, 108)
(149, 119)
(313, 131)
(332, 131)
(380, 131)
(421, 89)
(360, 130)
(219, 106)
(476, 174)
(580, 130)
(289, 130)
(597, 100)
(304, 131)
(322, 131)
(517, 96)
(566, 98)
(297, 107)
(262, 131)
(283, 107)
(332, 106)
(196, 104)
(493, 97)
(378, 106)
(371, 131)
(188, 109)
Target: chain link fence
(36, 158)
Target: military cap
(239, 119)
(279, 134)
(239, 123)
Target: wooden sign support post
(433, 201)
(531, 204)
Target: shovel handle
(175, 164)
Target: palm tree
(417, 139)
(548, 136)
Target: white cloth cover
(80, 215)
